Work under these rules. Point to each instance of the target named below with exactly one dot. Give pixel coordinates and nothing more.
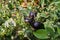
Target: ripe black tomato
(38, 25)
(28, 20)
(32, 14)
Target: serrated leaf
(41, 34)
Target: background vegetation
(13, 27)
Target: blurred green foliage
(13, 27)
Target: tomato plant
(30, 20)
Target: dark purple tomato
(32, 14)
(28, 20)
(38, 25)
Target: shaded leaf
(41, 34)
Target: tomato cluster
(35, 24)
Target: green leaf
(42, 3)
(48, 23)
(0, 5)
(10, 6)
(43, 14)
(58, 29)
(50, 30)
(41, 34)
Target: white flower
(20, 8)
(13, 22)
(10, 22)
(9, 1)
(12, 37)
(6, 24)
(23, 29)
